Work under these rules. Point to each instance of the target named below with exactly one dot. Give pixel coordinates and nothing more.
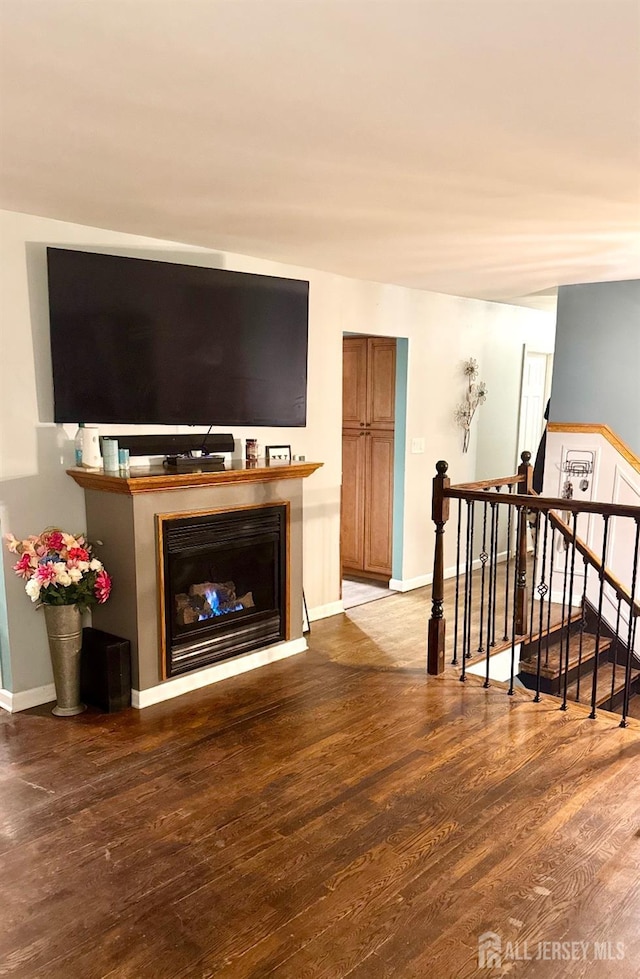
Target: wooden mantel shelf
(157, 479)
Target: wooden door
(369, 365)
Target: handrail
(489, 483)
(545, 502)
(475, 607)
(594, 561)
(533, 501)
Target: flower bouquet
(59, 569)
(64, 578)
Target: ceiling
(486, 148)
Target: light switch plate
(417, 446)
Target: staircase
(569, 619)
(574, 648)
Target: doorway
(537, 368)
(373, 443)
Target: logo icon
(489, 950)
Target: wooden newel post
(525, 470)
(437, 622)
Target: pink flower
(24, 568)
(46, 574)
(102, 586)
(78, 554)
(56, 540)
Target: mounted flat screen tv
(135, 341)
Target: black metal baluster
(565, 576)
(483, 562)
(553, 548)
(495, 573)
(506, 576)
(533, 575)
(516, 573)
(615, 653)
(489, 603)
(467, 611)
(542, 590)
(470, 564)
(571, 579)
(594, 685)
(454, 661)
(633, 621)
(583, 626)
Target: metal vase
(64, 629)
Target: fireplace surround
(223, 583)
(125, 512)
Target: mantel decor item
(62, 576)
(278, 453)
(476, 395)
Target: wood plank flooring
(335, 814)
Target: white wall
(614, 480)
(505, 340)
(443, 331)
(597, 362)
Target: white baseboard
(325, 611)
(169, 689)
(408, 584)
(24, 699)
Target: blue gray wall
(596, 371)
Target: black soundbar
(174, 445)
(187, 464)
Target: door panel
(354, 381)
(378, 515)
(381, 382)
(352, 511)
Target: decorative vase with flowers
(64, 578)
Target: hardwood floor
(334, 814)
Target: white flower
(75, 574)
(82, 566)
(95, 565)
(62, 575)
(32, 589)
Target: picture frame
(278, 454)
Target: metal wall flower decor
(475, 395)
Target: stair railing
(528, 583)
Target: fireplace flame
(216, 608)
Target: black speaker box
(175, 445)
(105, 670)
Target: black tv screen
(135, 341)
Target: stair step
(556, 659)
(556, 625)
(603, 690)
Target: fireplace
(223, 584)
(131, 514)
